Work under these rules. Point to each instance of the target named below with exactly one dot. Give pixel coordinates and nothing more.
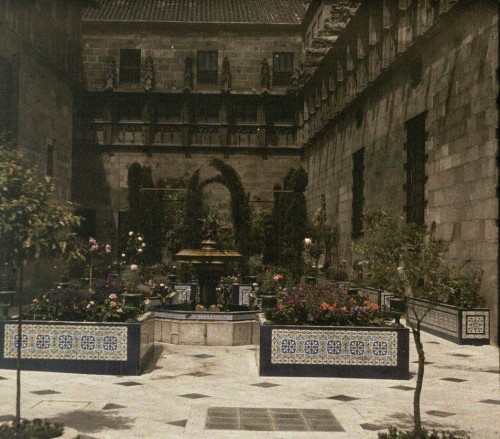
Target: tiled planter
(380, 297)
(329, 351)
(459, 325)
(79, 347)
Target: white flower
(130, 233)
(140, 238)
(400, 270)
(123, 255)
(134, 267)
(139, 251)
(143, 245)
(307, 241)
(108, 248)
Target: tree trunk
(420, 379)
(19, 346)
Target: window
(358, 184)
(6, 87)
(282, 68)
(282, 111)
(130, 66)
(415, 170)
(244, 113)
(50, 158)
(88, 226)
(206, 68)
(206, 110)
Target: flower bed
(326, 330)
(79, 347)
(459, 325)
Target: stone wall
(169, 46)
(457, 91)
(106, 190)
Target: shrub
(328, 305)
(31, 429)
(394, 433)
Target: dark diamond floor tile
(163, 377)
(265, 385)
(432, 342)
(129, 383)
(181, 423)
(2, 378)
(491, 401)
(112, 406)
(453, 380)
(407, 388)
(45, 392)
(199, 374)
(496, 371)
(439, 413)
(343, 398)
(5, 418)
(461, 355)
(194, 395)
(425, 362)
(372, 427)
(203, 356)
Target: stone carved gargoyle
(149, 74)
(188, 73)
(110, 74)
(265, 75)
(227, 78)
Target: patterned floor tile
(439, 413)
(453, 380)
(343, 398)
(45, 392)
(199, 374)
(181, 423)
(265, 385)
(407, 388)
(372, 427)
(112, 406)
(491, 401)
(203, 356)
(194, 396)
(129, 383)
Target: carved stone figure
(110, 75)
(188, 73)
(265, 75)
(149, 74)
(227, 78)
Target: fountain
(209, 264)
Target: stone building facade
(386, 104)
(399, 113)
(39, 69)
(171, 87)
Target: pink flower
(94, 248)
(278, 277)
(112, 304)
(108, 248)
(92, 241)
(400, 270)
(134, 267)
(113, 296)
(35, 300)
(120, 310)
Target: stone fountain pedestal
(209, 264)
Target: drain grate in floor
(271, 419)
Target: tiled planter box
(380, 297)
(459, 325)
(79, 347)
(329, 351)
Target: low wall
(79, 347)
(209, 329)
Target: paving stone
(194, 395)
(130, 383)
(181, 423)
(45, 392)
(112, 406)
(265, 385)
(343, 398)
(439, 413)
(407, 388)
(453, 380)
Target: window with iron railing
(415, 170)
(282, 68)
(206, 67)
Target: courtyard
(216, 392)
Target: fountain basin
(204, 328)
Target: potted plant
(322, 330)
